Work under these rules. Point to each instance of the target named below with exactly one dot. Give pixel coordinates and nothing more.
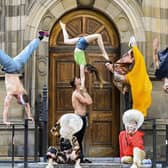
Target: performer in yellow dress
(137, 78)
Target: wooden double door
(101, 138)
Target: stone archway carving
(56, 8)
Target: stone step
(96, 163)
(83, 165)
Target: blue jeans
(15, 65)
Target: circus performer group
(129, 75)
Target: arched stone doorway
(104, 121)
(127, 17)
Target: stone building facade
(20, 21)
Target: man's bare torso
(13, 84)
(79, 107)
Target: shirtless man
(12, 68)
(14, 88)
(79, 103)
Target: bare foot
(62, 24)
(6, 122)
(109, 66)
(31, 118)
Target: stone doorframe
(126, 15)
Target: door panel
(103, 120)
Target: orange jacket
(128, 142)
(140, 83)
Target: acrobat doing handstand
(12, 68)
(79, 52)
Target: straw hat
(133, 115)
(70, 124)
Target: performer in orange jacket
(131, 140)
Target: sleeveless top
(82, 43)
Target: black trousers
(128, 100)
(79, 135)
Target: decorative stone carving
(42, 66)
(123, 24)
(46, 22)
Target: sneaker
(44, 33)
(146, 161)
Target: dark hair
(25, 98)
(72, 83)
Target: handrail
(12, 126)
(154, 134)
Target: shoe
(146, 161)
(132, 42)
(86, 161)
(44, 33)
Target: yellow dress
(140, 83)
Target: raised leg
(67, 40)
(99, 39)
(139, 155)
(26, 53)
(5, 60)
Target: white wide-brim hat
(70, 124)
(131, 115)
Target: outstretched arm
(118, 77)
(7, 103)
